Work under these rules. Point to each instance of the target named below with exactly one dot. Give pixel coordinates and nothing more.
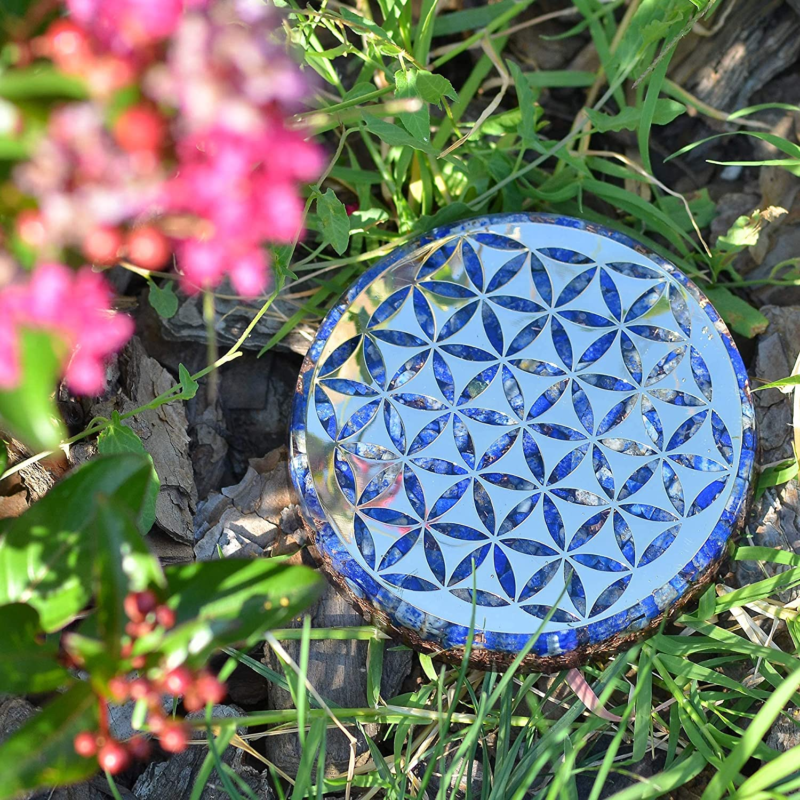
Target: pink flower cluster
(84, 180)
(221, 179)
(124, 26)
(76, 307)
(246, 194)
(238, 164)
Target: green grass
(414, 147)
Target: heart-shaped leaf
(27, 664)
(219, 603)
(119, 438)
(29, 411)
(42, 753)
(46, 554)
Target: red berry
(139, 604)
(148, 248)
(137, 629)
(140, 128)
(177, 681)
(30, 228)
(165, 617)
(139, 688)
(156, 720)
(138, 662)
(85, 744)
(113, 757)
(102, 245)
(174, 737)
(106, 74)
(67, 44)
(139, 747)
(118, 688)
(209, 689)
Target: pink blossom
(124, 25)
(83, 180)
(245, 188)
(76, 308)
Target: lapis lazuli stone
(524, 424)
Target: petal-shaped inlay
(589, 529)
(666, 365)
(414, 492)
(553, 521)
(508, 271)
(410, 369)
(360, 418)
(398, 338)
(609, 596)
(538, 581)
(424, 314)
(478, 385)
(366, 545)
(449, 498)
(400, 548)
(701, 374)
(348, 387)
(497, 449)
(659, 546)
(429, 434)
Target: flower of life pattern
(534, 421)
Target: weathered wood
(232, 318)
(775, 517)
(338, 670)
(163, 433)
(175, 778)
(756, 42)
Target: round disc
(527, 424)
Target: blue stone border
(558, 648)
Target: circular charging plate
(521, 425)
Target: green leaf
(452, 212)
(756, 731)
(163, 299)
(744, 112)
(334, 220)
(791, 380)
(46, 553)
(394, 135)
(629, 118)
(219, 603)
(433, 88)
(189, 385)
(784, 145)
(27, 664)
(559, 79)
(41, 752)
(90, 651)
(426, 663)
(40, 81)
(417, 123)
(527, 103)
(737, 313)
(29, 412)
(777, 474)
(375, 650)
(470, 19)
(122, 564)
(703, 209)
(3, 456)
(119, 438)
